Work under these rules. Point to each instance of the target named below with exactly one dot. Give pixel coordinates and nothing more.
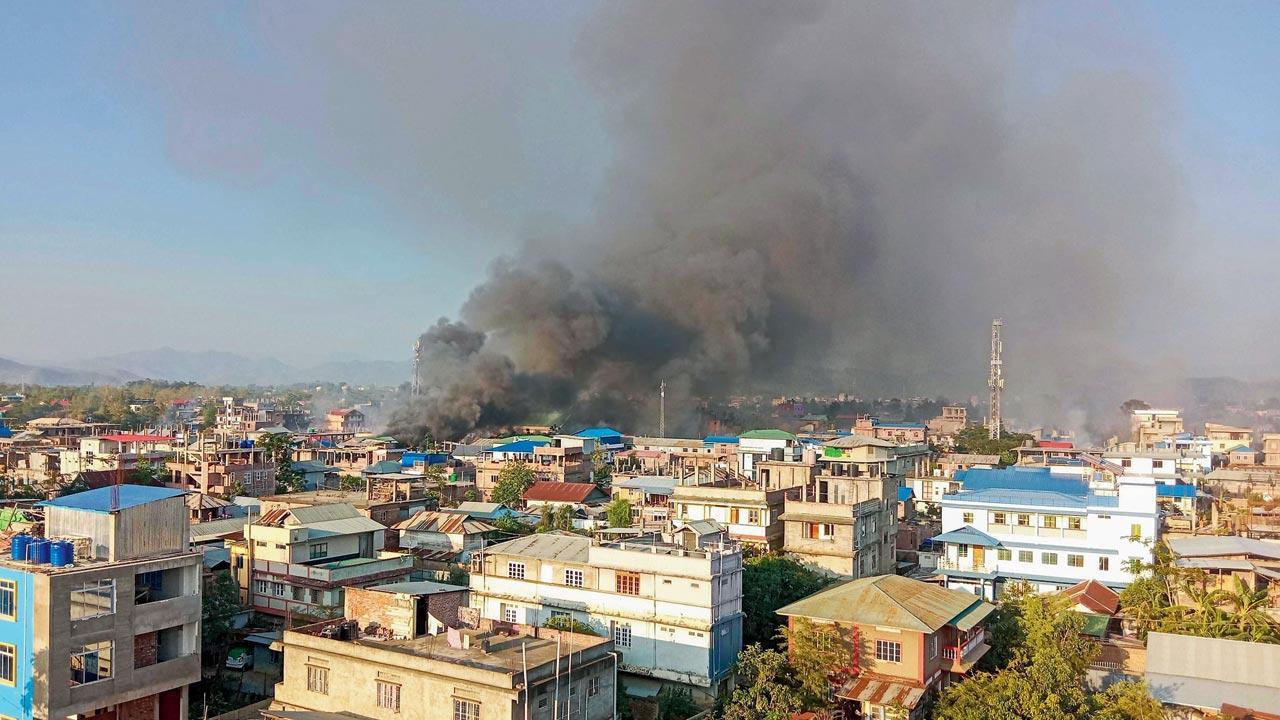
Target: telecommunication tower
(662, 408)
(995, 381)
(415, 387)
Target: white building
(674, 614)
(1050, 529)
(760, 445)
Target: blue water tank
(18, 548)
(61, 553)
(38, 551)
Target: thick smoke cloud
(826, 195)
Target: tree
(208, 415)
(278, 448)
(148, 473)
(974, 440)
(566, 623)
(820, 659)
(768, 582)
(513, 479)
(619, 513)
(78, 485)
(601, 473)
(219, 603)
(766, 688)
(350, 483)
(676, 703)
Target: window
(1024, 520)
(1126, 462)
(1104, 563)
(1049, 558)
(91, 663)
(515, 570)
(1051, 521)
(1075, 561)
(389, 696)
(573, 578)
(1135, 532)
(318, 679)
(968, 518)
(628, 583)
(1004, 554)
(1025, 556)
(466, 709)
(753, 517)
(8, 664)
(933, 646)
(510, 613)
(93, 599)
(887, 651)
(319, 550)
(1073, 523)
(998, 519)
(962, 550)
(622, 634)
(1157, 464)
(8, 600)
(593, 686)
(820, 531)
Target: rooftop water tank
(18, 548)
(38, 551)
(61, 553)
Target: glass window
(968, 518)
(622, 634)
(1073, 523)
(887, 651)
(753, 517)
(998, 518)
(515, 570)
(389, 696)
(93, 599)
(1049, 558)
(466, 709)
(1024, 520)
(510, 613)
(319, 550)
(1135, 532)
(962, 550)
(8, 664)
(91, 663)
(593, 686)
(1051, 521)
(1104, 563)
(318, 679)
(1025, 556)
(628, 583)
(573, 578)
(1004, 554)
(1075, 561)
(8, 600)
(933, 646)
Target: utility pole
(995, 380)
(662, 408)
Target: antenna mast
(995, 381)
(662, 408)
(415, 388)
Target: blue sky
(217, 178)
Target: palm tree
(1249, 614)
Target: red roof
(1056, 444)
(1094, 596)
(564, 492)
(137, 438)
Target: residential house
(1148, 427)
(67, 432)
(1196, 677)
(1222, 438)
(406, 610)
(903, 433)
(443, 531)
(560, 459)
(576, 495)
(1050, 529)
(1226, 558)
(1271, 449)
(111, 630)
(752, 513)
(297, 561)
(952, 420)
(674, 613)
(349, 455)
(344, 420)
(203, 508)
(384, 501)
(759, 445)
(650, 498)
(221, 464)
(605, 438)
(908, 639)
(119, 451)
(1242, 456)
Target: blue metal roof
(905, 493)
(1021, 478)
(410, 459)
(721, 439)
(1175, 490)
(598, 432)
(99, 500)
(1031, 498)
(520, 446)
(967, 535)
(902, 425)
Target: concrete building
(349, 454)
(119, 451)
(67, 432)
(903, 433)
(1224, 437)
(760, 445)
(563, 458)
(1050, 529)
(115, 634)
(344, 420)
(953, 419)
(909, 639)
(674, 613)
(650, 497)
(299, 560)
(441, 531)
(1271, 449)
(367, 667)
(752, 514)
(1242, 456)
(221, 464)
(1148, 427)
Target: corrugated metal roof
(308, 514)
(216, 528)
(567, 492)
(548, 546)
(344, 526)
(1211, 545)
(887, 600)
(849, 442)
(448, 523)
(423, 587)
(967, 535)
(1037, 479)
(598, 433)
(101, 500)
(881, 691)
(519, 446)
(1206, 672)
(771, 434)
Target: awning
(880, 691)
(967, 536)
(972, 615)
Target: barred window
(515, 570)
(318, 679)
(573, 578)
(622, 635)
(389, 696)
(465, 709)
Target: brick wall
(145, 648)
(140, 709)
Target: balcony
(339, 572)
(966, 565)
(963, 657)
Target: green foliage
(278, 447)
(768, 582)
(602, 472)
(820, 658)
(675, 703)
(78, 485)
(511, 526)
(148, 473)
(619, 513)
(766, 687)
(471, 495)
(513, 479)
(974, 439)
(350, 483)
(565, 623)
(208, 415)
(1045, 680)
(219, 603)
(555, 518)
(13, 491)
(458, 576)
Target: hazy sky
(321, 180)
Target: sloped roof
(201, 501)
(905, 493)
(849, 442)
(1206, 672)
(382, 467)
(598, 432)
(1095, 596)
(1241, 448)
(886, 600)
(547, 546)
(441, 522)
(1213, 545)
(565, 492)
(768, 434)
(967, 535)
(217, 528)
(519, 446)
(101, 500)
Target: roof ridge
(876, 585)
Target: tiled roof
(1095, 596)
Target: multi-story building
(296, 561)
(845, 522)
(898, 432)
(674, 613)
(1149, 427)
(564, 458)
(1271, 449)
(344, 420)
(908, 639)
(221, 464)
(1224, 437)
(752, 513)
(649, 496)
(363, 666)
(1050, 529)
(110, 629)
(67, 432)
(953, 419)
(349, 454)
(119, 451)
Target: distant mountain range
(209, 367)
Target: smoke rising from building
(842, 195)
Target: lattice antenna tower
(995, 380)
